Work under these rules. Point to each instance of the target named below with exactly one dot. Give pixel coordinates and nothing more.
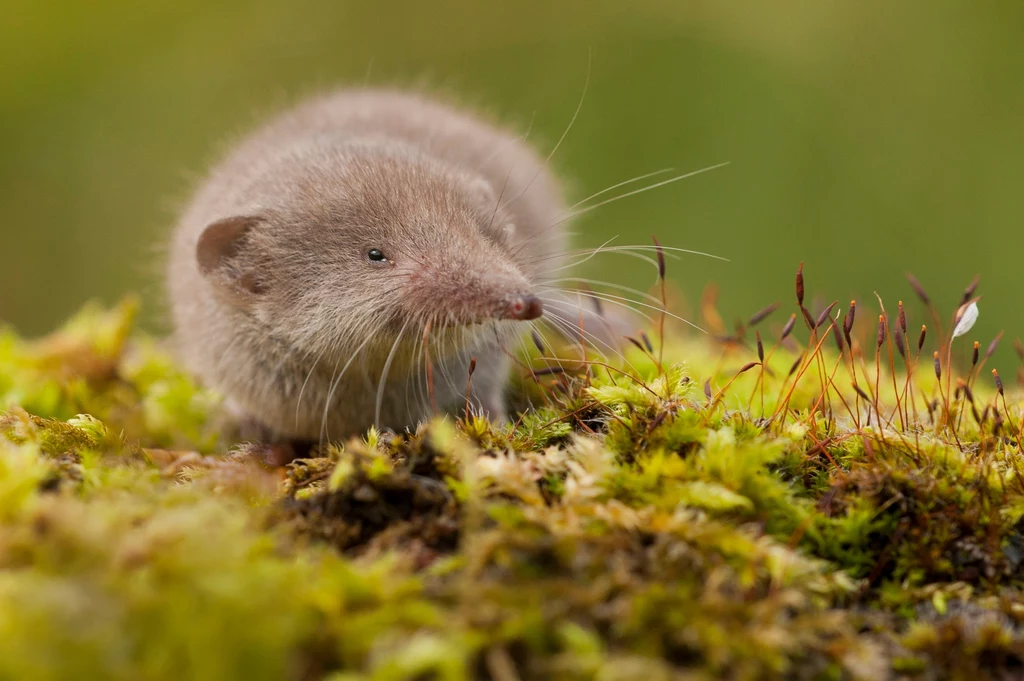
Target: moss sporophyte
(798, 501)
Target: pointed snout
(524, 307)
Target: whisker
(500, 148)
(639, 256)
(384, 375)
(410, 379)
(641, 190)
(646, 247)
(334, 385)
(591, 251)
(572, 121)
(595, 282)
(615, 300)
(558, 303)
(574, 327)
(298, 401)
(547, 343)
(620, 184)
(561, 255)
(497, 203)
(573, 213)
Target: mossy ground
(672, 517)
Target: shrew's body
(308, 264)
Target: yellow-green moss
(660, 520)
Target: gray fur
(282, 297)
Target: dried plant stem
(874, 396)
(760, 378)
(852, 369)
(804, 365)
(469, 385)
(867, 381)
(721, 391)
(609, 367)
(947, 419)
(535, 375)
(583, 345)
(908, 386)
(895, 386)
(822, 372)
(949, 380)
(1020, 435)
(831, 381)
(761, 381)
(664, 305)
(988, 353)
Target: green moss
(685, 523)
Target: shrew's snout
(465, 292)
(524, 307)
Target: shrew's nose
(525, 307)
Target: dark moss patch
(380, 512)
(930, 525)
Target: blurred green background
(866, 137)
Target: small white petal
(967, 319)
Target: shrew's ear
(224, 257)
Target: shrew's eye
(375, 255)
